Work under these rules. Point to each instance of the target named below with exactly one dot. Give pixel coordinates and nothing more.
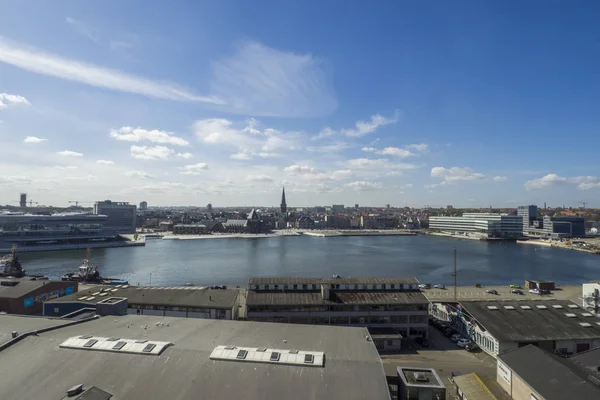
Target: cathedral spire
(283, 204)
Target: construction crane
(31, 202)
(584, 203)
(76, 202)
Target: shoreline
(298, 232)
(442, 234)
(558, 245)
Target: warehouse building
(185, 302)
(27, 295)
(392, 303)
(559, 326)
(530, 373)
(138, 358)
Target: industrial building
(139, 357)
(184, 302)
(420, 383)
(392, 303)
(121, 216)
(27, 295)
(559, 326)
(550, 227)
(529, 373)
(483, 225)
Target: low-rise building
(529, 373)
(559, 326)
(27, 296)
(392, 303)
(139, 357)
(485, 225)
(420, 383)
(184, 302)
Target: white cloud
(139, 174)
(49, 64)
(129, 134)
(582, 182)
(69, 153)
(7, 100)
(332, 147)
(34, 140)
(259, 80)
(4, 179)
(105, 162)
(500, 179)
(420, 147)
(218, 130)
(395, 151)
(362, 128)
(325, 133)
(194, 169)
(300, 170)
(378, 163)
(65, 167)
(185, 156)
(369, 149)
(264, 154)
(150, 152)
(363, 185)
(455, 174)
(259, 178)
(240, 156)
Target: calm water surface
(233, 261)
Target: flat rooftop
(552, 377)
(468, 293)
(341, 280)
(534, 320)
(255, 298)
(184, 369)
(422, 377)
(186, 296)
(23, 286)
(23, 324)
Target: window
(390, 342)
(241, 354)
(285, 287)
(90, 343)
(305, 287)
(295, 287)
(314, 286)
(255, 287)
(356, 286)
(383, 286)
(119, 345)
(392, 286)
(276, 287)
(149, 347)
(274, 356)
(309, 359)
(56, 310)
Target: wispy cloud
(500, 179)
(52, 65)
(104, 162)
(185, 156)
(151, 152)
(101, 37)
(34, 140)
(454, 174)
(362, 128)
(259, 178)
(362, 186)
(7, 100)
(550, 180)
(69, 153)
(129, 134)
(263, 81)
(84, 29)
(139, 174)
(194, 169)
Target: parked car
(491, 291)
(472, 347)
(516, 291)
(439, 287)
(463, 342)
(515, 286)
(448, 332)
(456, 337)
(535, 291)
(545, 291)
(424, 286)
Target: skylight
(509, 307)
(557, 306)
(525, 307)
(570, 315)
(573, 306)
(542, 307)
(492, 307)
(585, 324)
(269, 356)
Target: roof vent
(274, 356)
(75, 390)
(229, 347)
(261, 349)
(293, 351)
(556, 306)
(421, 377)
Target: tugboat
(10, 265)
(88, 273)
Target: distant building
(449, 207)
(305, 222)
(23, 200)
(480, 224)
(550, 227)
(252, 224)
(395, 304)
(283, 206)
(356, 207)
(337, 208)
(387, 206)
(143, 206)
(121, 216)
(209, 208)
(26, 296)
(337, 222)
(377, 222)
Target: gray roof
(186, 296)
(22, 324)
(353, 369)
(588, 360)
(550, 376)
(318, 281)
(335, 297)
(22, 288)
(533, 324)
(235, 222)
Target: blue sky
(472, 103)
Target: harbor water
(232, 261)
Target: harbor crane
(584, 203)
(77, 202)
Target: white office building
(485, 225)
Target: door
(582, 347)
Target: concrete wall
(513, 385)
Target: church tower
(283, 204)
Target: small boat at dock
(88, 273)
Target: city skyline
(474, 104)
